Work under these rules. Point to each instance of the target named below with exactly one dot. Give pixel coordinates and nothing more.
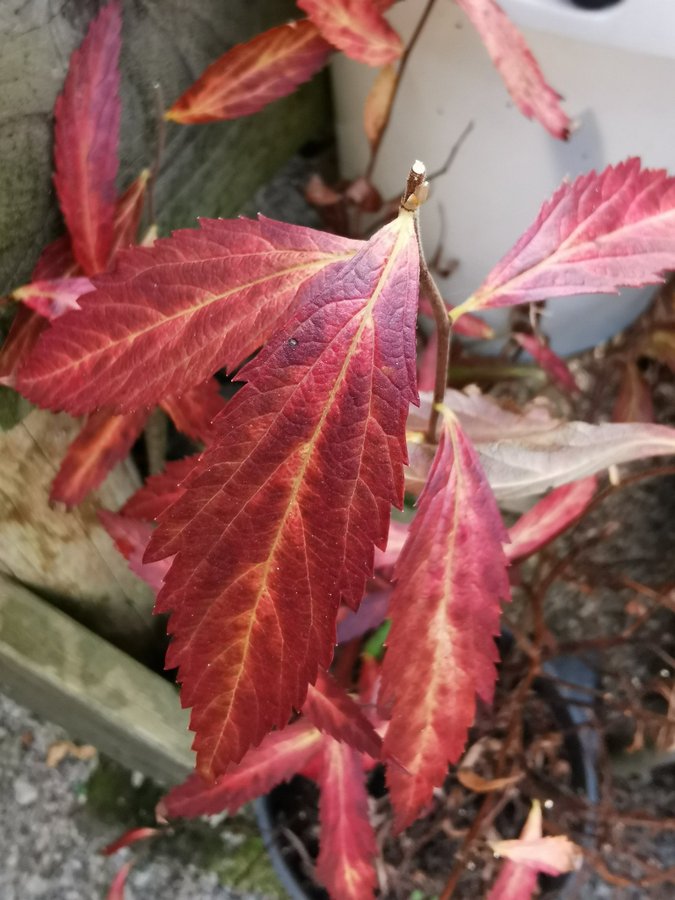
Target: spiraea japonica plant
(270, 546)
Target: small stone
(25, 793)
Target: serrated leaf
(449, 579)
(131, 537)
(85, 151)
(599, 233)
(357, 27)
(251, 75)
(169, 316)
(52, 298)
(518, 68)
(347, 846)
(634, 401)
(290, 498)
(280, 756)
(193, 412)
(555, 367)
(550, 517)
(333, 711)
(530, 854)
(378, 102)
(160, 491)
(104, 441)
(528, 453)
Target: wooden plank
(208, 170)
(100, 695)
(68, 556)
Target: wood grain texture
(93, 690)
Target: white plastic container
(616, 70)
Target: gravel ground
(50, 837)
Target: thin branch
(399, 78)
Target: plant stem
(428, 286)
(399, 78)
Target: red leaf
(468, 326)
(280, 756)
(288, 501)
(194, 411)
(104, 440)
(118, 884)
(347, 845)
(555, 367)
(634, 401)
(128, 213)
(357, 28)
(251, 75)
(128, 838)
(55, 261)
(131, 537)
(51, 298)
(519, 69)
(86, 134)
(549, 517)
(22, 337)
(159, 491)
(531, 854)
(595, 235)
(450, 577)
(334, 712)
(171, 315)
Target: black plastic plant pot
(564, 689)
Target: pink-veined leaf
(634, 401)
(194, 411)
(251, 75)
(128, 213)
(128, 838)
(378, 102)
(555, 367)
(597, 234)
(86, 134)
(549, 517)
(53, 297)
(347, 846)
(116, 891)
(290, 498)
(517, 66)
(131, 537)
(333, 711)
(357, 27)
(104, 440)
(280, 756)
(160, 491)
(169, 316)
(449, 580)
(529, 855)
(525, 454)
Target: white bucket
(616, 69)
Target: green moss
(113, 797)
